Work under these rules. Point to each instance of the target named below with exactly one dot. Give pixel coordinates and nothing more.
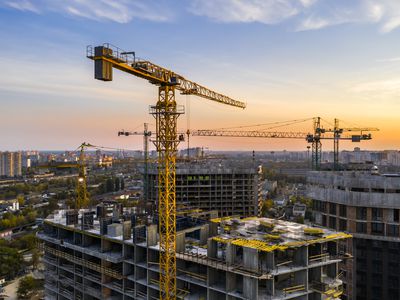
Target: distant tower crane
(313, 138)
(166, 112)
(82, 199)
(146, 136)
(337, 132)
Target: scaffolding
(85, 263)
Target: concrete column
(301, 256)
(180, 242)
(270, 261)
(271, 287)
(213, 229)
(230, 254)
(250, 287)
(250, 258)
(204, 234)
(151, 235)
(212, 248)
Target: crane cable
(278, 124)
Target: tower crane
(82, 199)
(337, 132)
(166, 112)
(313, 138)
(146, 136)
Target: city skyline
(286, 59)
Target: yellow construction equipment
(313, 138)
(82, 199)
(166, 112)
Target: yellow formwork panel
(265, 246)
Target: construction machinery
(337, 133)
(146, 136)
(313, 138)
(82, 199)
(166, 112)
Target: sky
(287, 59)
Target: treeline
(15, 219)
(112, 185)
(11, 192)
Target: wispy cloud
(22, 5)
(303, 14)
(392, 59)
(307, 14)
(386, 89)
(263, 11)
(121, 11)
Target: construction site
(103, 254)
(228, 187)
(203, 236)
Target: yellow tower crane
(166, 112)
(82, 199)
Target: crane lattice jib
(166, 113)
(274, 134)
(155, 74)
(252, 133)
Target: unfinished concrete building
(229, 187)
(367, 205)
(88, 255)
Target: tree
(35, 258)
(26, 286)
(21, 200)
(266, 206)
(109, 185)
(117, 184)
(28, 241)
(122, 184)
(10, 262)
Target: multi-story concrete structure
(367, 205)
(92, 256)
(10, 164)
(227, 187)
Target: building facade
(89, 256)
(232, 190)
(367, 206)
(10, 164)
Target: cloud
(301, 15)
(392, 59)
(306, 14)
(22, 5)
(263, 11)
(386, 89)
(119, 11)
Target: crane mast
(146, 136)
(166, 112)
(313, 138)
(316, 145)
(82, 199)
(337, 135)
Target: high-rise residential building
(88, 255)
(367, 205)
(231, 188)
(10, 164)
(17, 163)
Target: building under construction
(367, 205)
(104, 254)
(230, 187)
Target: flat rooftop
(267, 234)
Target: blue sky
(288, 59)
